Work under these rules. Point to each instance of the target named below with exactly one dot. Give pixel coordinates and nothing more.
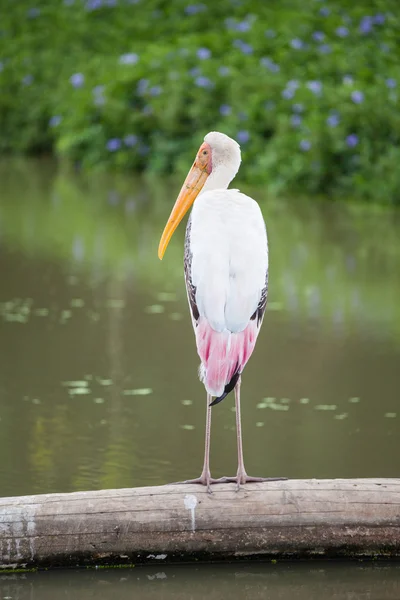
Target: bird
(226, 276)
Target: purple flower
(318, 36)
(243, 26)
(130, 140)
(305, 145)
(246, 48)
(270, 33)
(195, 72)
(77, 80)
(98, 98)
(288, 93)
(243, 136)
(324, 11)
(33, 13)
(155, 90)
(225, 110)
(142, 86)
(223, 71)
(267, 62)
(55, 121)
(297, 44)
(296, 120)
(130, 58)
(292, 84)
(93, 4)
(298, 108)
(352, 140)
(98, 90)
(243, 46)
(357, 97)
(342, 32)
(379, 19)
(333, 120)
(27, 80)
(366, 25)
(113, 144)
(203, 82)
(348, 80)
(203, 53)
(315, 87)
(325, 49)
(193, 9)
(391, 83)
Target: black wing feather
(260, 310)
(187, 263)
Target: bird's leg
(205, 477)
(241, 475)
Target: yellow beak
(191, 188)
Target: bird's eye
(205, 152)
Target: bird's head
(216, 164)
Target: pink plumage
(223, 353)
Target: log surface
(294, 518)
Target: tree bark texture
(182, 523)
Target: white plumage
(228, 242)
(226, 272)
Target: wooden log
(294, 518)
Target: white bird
(226, 273)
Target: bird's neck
(219, 179)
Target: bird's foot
(204, 479)
(242, 478)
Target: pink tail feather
(223, 353)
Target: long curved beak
(191, 188)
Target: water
(255, 582)
(98, 383)
(98, 367)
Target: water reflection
(266, 582)
(85, 299)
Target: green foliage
(308, 89)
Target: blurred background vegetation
(100, 100)
(309, 89)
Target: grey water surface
(213, 582)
